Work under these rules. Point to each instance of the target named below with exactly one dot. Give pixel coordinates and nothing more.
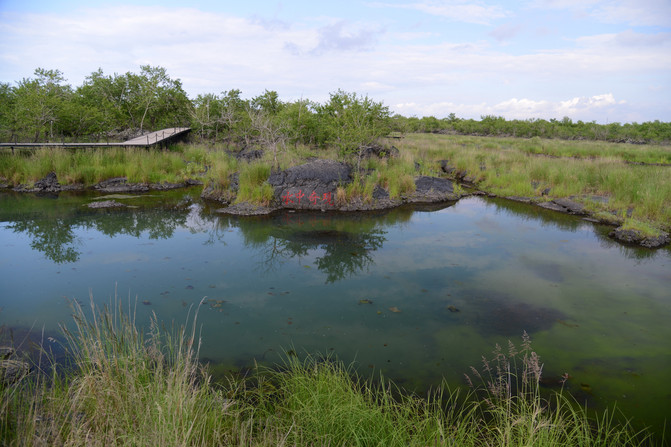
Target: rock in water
(11, 371)
(312, 185)
(120, 184)
(106, 204)
(48, 183)
(636, 237)
(432, 190)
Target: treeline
(114, 107)
(566, 129)
(45, 108)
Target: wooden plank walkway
(160, 137)
(157, 137)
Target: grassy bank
(624, 184)
(598, 175)
(91, 166)
(127, 387)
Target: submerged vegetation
(125, 387)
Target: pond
(417, 293)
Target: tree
(153, 95)
(78, 119)
(38, 102)
(300, 121)
(400, 124)
(7, 100)
(352, 122)
(204, 116)
(234, 116)
(270, 131)
(269, 102)
(136, 101)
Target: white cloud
(457, 10)
(505, 32)
(208, 48)
(338, 36)
(632, 12)
(212, 52)
(636, 12)
(577, 108)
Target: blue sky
(593, 60)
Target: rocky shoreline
(50, 184)
(318, 185)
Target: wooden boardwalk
(159, 138)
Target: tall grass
(253, 185)
(511, 405)
(220, 168)
(122, 389)
(125, 387)
(94, 165)
(321, 402)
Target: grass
(253, 185)
(519, 167)
(125, 387)
(92, 166)
(220, 168)
(510, 402)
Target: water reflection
(567, 222)
(342, 245)
(53, 237)
(53, 230)
(497, 313)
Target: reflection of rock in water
(502, 315)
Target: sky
(590, 60)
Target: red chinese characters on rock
(300, 195)
(287, 198)
(295, 198)
(327, 198)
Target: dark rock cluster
(312, 185)
(629, 236)
(11, 370)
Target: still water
(415, 293)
